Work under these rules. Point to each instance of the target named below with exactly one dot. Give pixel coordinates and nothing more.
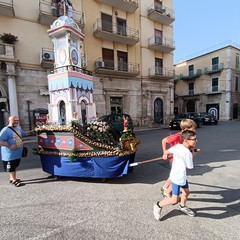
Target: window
(191, 88)
(158, 66)
(215, 85)
(158, 36)
(122, 61)
(191, 70)
(236, 84)
(116, 104)
(158, 6)
(108, 58)
(237, 60)
(106, 22)
(121, 27)
(215, 62)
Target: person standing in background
(11, 148)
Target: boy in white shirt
(182, 159)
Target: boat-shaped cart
(85, 151)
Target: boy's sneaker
(157, 211)
(187, 211)
(164, 194)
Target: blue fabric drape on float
(94, 167)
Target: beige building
(128, 46)
(209, 83)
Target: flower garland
(97, 134)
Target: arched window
(62, 112)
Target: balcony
(161, 14)
(111, 68)
(214, 68)
(161, 73)
(115, 33)
(47, 16)
(125, 5)
(7, 53)
(161, 44)
(191, 75)
(6, 8)
(213, 90)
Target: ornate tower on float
(70, 86)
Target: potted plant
(8, 38)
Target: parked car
(175, 123)
(116, 121)
(208, 118)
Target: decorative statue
(125, 124)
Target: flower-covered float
(70, 143)
(85, 151)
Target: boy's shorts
(176, 188)
(13, 164)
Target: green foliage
(100, 132)
(8, 38)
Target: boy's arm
(196, 151)
(164, 144)
(166, 155)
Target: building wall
(226, 97)
(139, 92)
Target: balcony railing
(6, 8)
(161, 73)
(191, 92)
(213, 90)
(125, 5)
(47, 15)
(107, 67)
(162, 44)
(161, 14)
(7, 52)
(191, 75)
(70, 68)
(214, 68)
(115, 33)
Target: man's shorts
(176, 188)
(11, 166)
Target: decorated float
(72, 143)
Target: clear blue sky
(200, 25)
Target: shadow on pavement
(226, 196)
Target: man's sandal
(17, 183)
(11, 181)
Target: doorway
(191, 106)
(158, 111)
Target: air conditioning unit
(47, 55)
(100, 64)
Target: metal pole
(29, 115)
